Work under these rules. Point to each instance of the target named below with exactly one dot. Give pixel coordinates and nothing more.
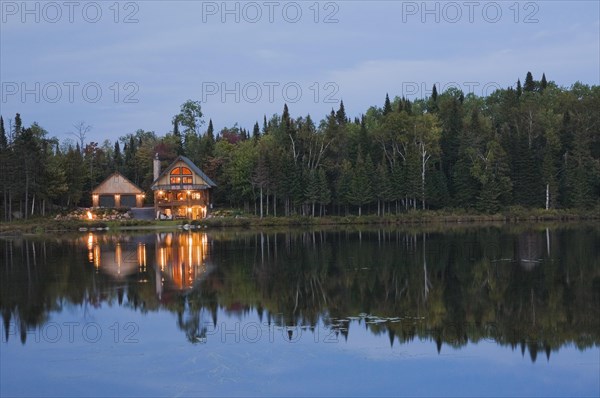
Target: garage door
(107, 201)
(127, 200)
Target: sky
(120, 66)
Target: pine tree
(381, 186)
(408, 106)
(285, 119)
(432, 104)
(387, 106)
(210, 131)
(451, 117)
(18, 126)
(463, 184)
(344, 185)
(3, 138)
(436, 187)
(529, 85)
(361, 189)
(324, 197)
(341, 114)
(311, 190)
(398, 186)
(117, 157)
(176, 132)
(256, 132)
(578, 175)
(543, 83)
(401, 104)
(265, 127)
(519, 88)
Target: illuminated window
(177, 172)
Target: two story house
(182, 190)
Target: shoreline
(49, 225)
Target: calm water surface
(493, 311)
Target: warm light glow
(141, 254)
(184, 261)
(189, 209)
(97, 256)
(118, 257)
(161, 193)
(90, 216)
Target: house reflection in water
(180, 258)
(117, 256)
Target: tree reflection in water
(529, 287)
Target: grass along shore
(513, 215)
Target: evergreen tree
(18, 126)
(256, 132)
(408, 106)
(519, 89)
(341, 114)
(381, 187)
(210, 131)
(451, 118)
(464, 185)
(578, 177)
(117, 157)
(311, 190)
(361, 186)
(3, 138)
(543, 83)
(387, 106)
(437, 188)
(345, 185)
(529, 85)
(324, 197)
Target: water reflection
(179, 260)
(533, 289)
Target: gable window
(181, 175)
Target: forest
(534, 145)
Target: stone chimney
(156, 166)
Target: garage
(117, 191)
(128, 201)
(107, 201)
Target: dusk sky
(129, 65)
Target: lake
(498, 310)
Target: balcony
(175, 203)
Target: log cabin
(117, 191)
(182, 190)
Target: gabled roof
(133, 188)
(191, 165)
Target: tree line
(536, 145)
